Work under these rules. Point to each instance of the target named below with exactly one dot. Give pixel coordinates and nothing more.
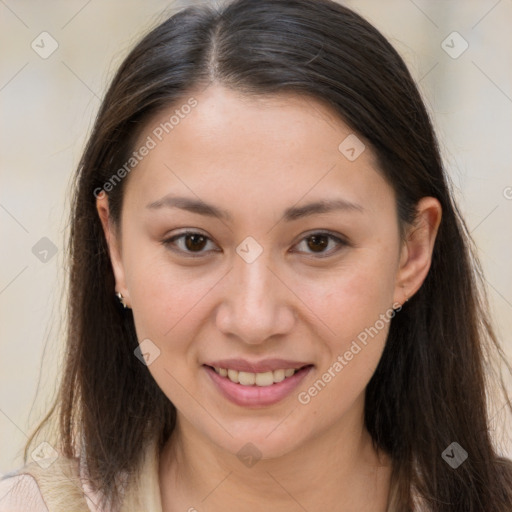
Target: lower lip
(257, 396)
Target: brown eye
(189, 243)
(195, 242)
(319, 243)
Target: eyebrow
(290, 214)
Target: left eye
(319, 242)
(193, 243)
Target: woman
(273, 300)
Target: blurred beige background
(49, 102)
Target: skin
(255, 157)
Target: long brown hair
(430, 387)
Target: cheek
(168, 306)
(351, 298)
(354, 310)
(166, 298)
(171, 313)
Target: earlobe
(111, 237)
(417, 250)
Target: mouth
(257, 389)
(261, 379)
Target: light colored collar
(144, 493)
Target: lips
(258, 384)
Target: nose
(256, 304)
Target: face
(291, 298)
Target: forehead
(264, 149)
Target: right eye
(189, 243)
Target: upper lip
(267, 365)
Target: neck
(338, 470)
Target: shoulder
(20, 493)
(56, 487)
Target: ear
(416, 252)
(112, 236)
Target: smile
(255, 379)
(256, 389)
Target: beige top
(63, 487)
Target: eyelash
(169, 242)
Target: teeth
(259, 379)
(264, 379)
(246, 378)
(279, 375)
(233, 375)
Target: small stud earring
(121, 300)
